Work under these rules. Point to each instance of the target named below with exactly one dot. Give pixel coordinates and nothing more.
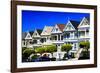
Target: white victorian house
(57, 34)
(36, 37)
(57, 39)
(46, 35)
(70, 34)
(83, 30)
(28, 39)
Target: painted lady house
(83, 30)
(57, 39)
(70, 33)
(27, 39)
(36, 38)
(46, 35)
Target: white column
(73, 35)
(46, 39)
(60, 37)
(85, 32)
(57, 37)
(38, 41)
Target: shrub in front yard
(66, 47)
(27, 52)
(51, 48)
(23, 48)
(84, 55)
(40, 50)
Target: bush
(34, 57)
(27, 52)
(85, 55)
(40, 50)
(51, 48)
(23, 48)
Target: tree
(85, 45)
(82, 44)
(67, 48)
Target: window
(56, 29)
(87, 30)
(24, 42)
(69, 27)
(75, 46)
(61, 37)
(68, 35)
(76, 34)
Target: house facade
(84, 29)
(57, 35)
(46, 34)
(70, 33)
(36, 37)
(28, 39)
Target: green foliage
(85, 45)
(65, 55)
(50, 49)
(34, 56)
(66, 47)
(82, 44)
(40, 50)
(27, 52)
(23, 48)
(85, 55)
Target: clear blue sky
(32, 20)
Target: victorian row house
(73, 32)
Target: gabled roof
(31, 32)
(75, 23)
(86, 19)
(24, 35)
(47, 30)
(28, 35)
(39, 31)
(61, 26)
